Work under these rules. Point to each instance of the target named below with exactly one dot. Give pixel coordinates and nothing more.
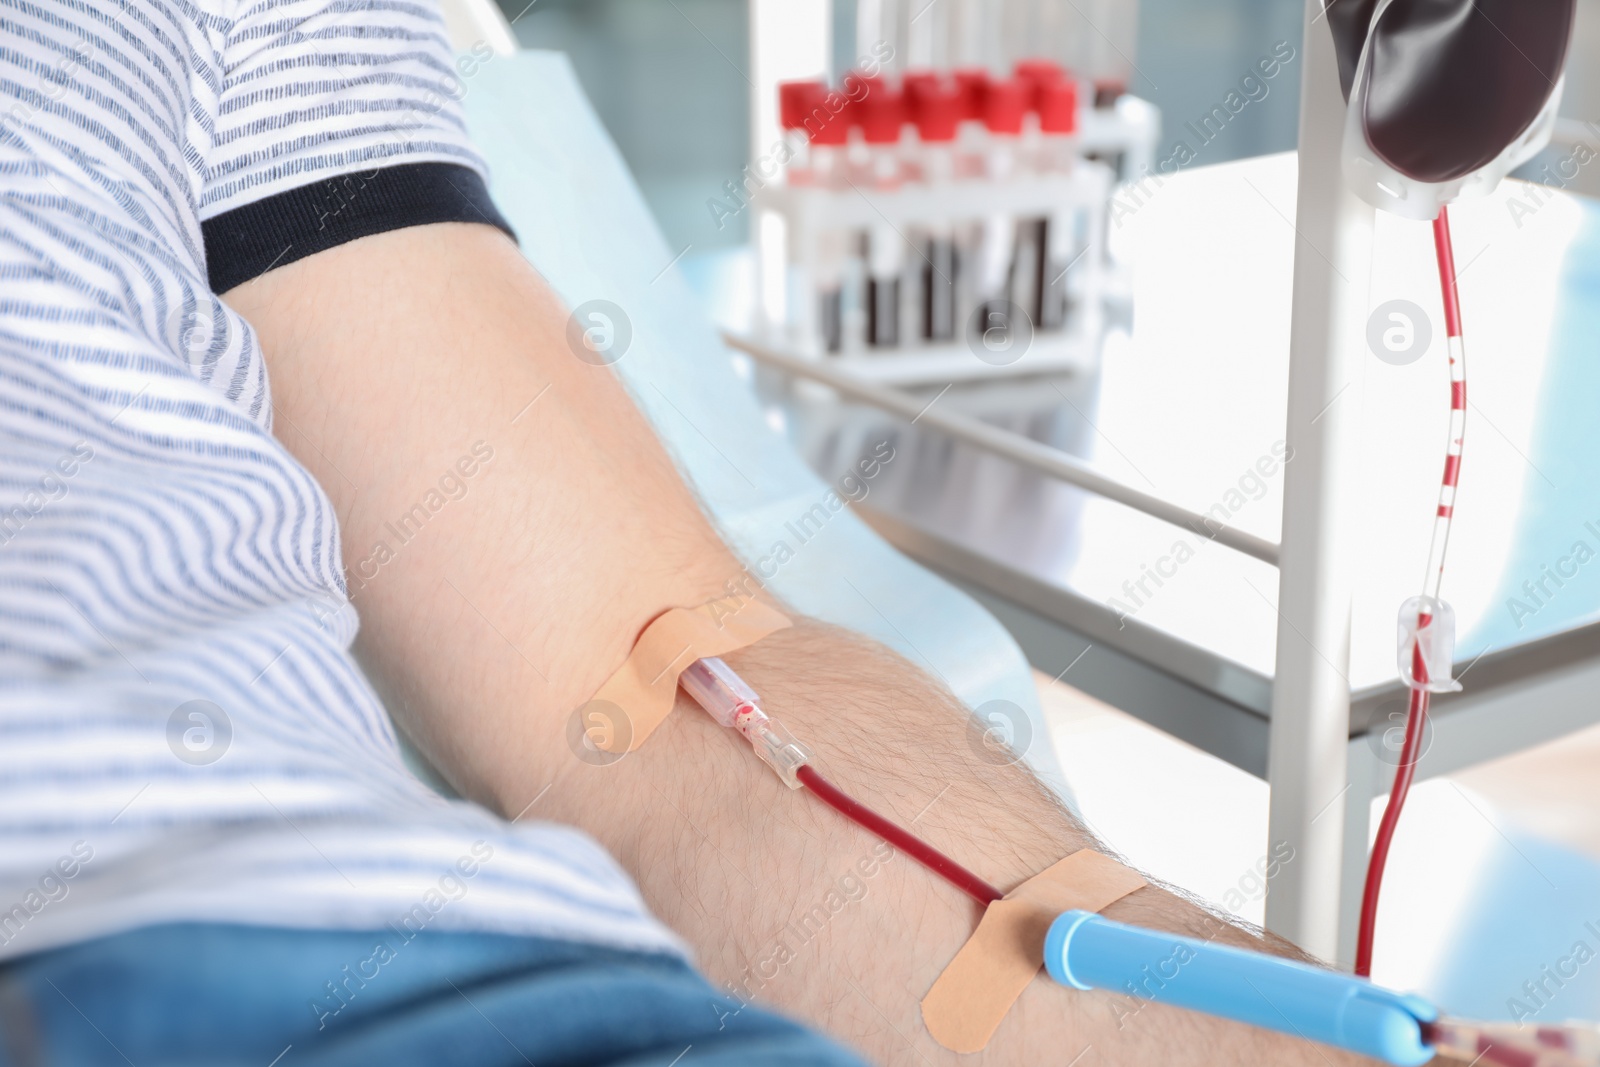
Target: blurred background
(671, 80)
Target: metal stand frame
(1311, 686)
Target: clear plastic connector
(1428, 624)
(778, 749)
(726, 697)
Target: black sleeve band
(251, 240)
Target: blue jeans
(217, 995)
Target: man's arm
(399, 359)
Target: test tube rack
(908, 247)
(809, 214)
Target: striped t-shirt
(184, 734)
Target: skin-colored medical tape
(646, 684)
(967, 1002)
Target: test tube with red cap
(1057, 105)
(972, 136)
(1063, 239)
(829, 132)
(1005, 104)
(1038, 75)
(936, 108)
(796, 102)
(1028, 260)
(882, 114)
(825, 118)
(860, 89)
(914, 81)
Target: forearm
(761, 879)
(493, 617)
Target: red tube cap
(1004, 106)
(916, 78)
(822, 123)
(1037, 75)
(795, 101)
(937, 108)
(859, 88)
(829, 127)
(882, 112)
(1040, 72)
(974, 86)
(1058, 107)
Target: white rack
(808, 212)
(1126, 131)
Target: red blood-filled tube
(1416, 727)
(1417, 714)
(904, 840)
(715, 686)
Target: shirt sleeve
(335, 119)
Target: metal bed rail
(1013, 446)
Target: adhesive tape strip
(646, 684)
(967, 1002)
